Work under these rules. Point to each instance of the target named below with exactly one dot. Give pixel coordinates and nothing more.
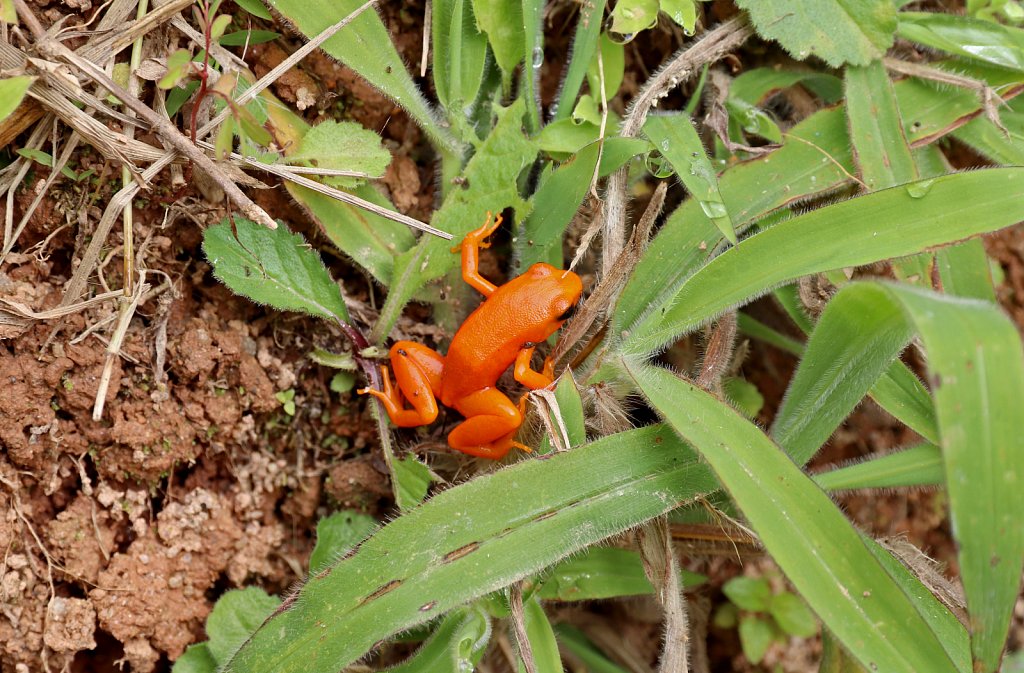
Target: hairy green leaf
(876, 130)
(837, 31)
(891, 223)
(458, 546)
(917, 466)
(676, 139)
(806, 534)
(345, 146)
(273, 267)
(236, 615)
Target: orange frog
(503, 330)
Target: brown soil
(118, 535)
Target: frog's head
(559, 291)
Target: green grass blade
(489, 185)
(365, 46)
(755, 329)
(985, 41)
(815, 160)
(273, 267)
(807, 535)
(964, 271)
(576, 642)
(542, 639)
(902, 394)
(898, 391)
(950, 632)
(533, 45)
(891, 223)
(917, 466)
(602, 572)
(459, 546)
(555, 202)
(676, 139)
(976, 363)
(584, 45)
(876, 130)
(455, 646)
(459, 57)
(855, 341)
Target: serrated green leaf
(837, 31)
(807, 535)
(273, 267)
(337, 534)
(365, 46)
(457, 546)
(12, 91)
(234, 617)
(792, 615)
(917, 466)
(756, 636)
(342, 146)
(749, 593)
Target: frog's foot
(496, 450)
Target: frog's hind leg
(418, 379)
(492, 420)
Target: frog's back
(489, 340)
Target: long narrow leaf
(459, 546)
(807, 535)
(851, 233)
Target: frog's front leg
(523, 373)
(491, 421)
(418, 377)
(471, 245)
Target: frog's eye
(568, 313)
